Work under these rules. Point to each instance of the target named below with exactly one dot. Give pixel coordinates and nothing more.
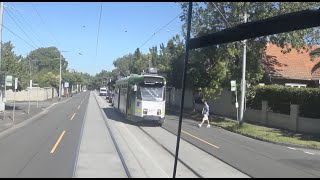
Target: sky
(72, 27)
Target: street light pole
(243, 84)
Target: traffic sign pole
(14, 96)
(234, 88)
(29, 95)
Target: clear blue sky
(73, 27)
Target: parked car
(103, 91)
(109, 97)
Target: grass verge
(269, 134)
(273, 135)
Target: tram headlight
(145, 111)
(159, 112)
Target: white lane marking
(73, 116)
(308, 152)
(51, 105)
(292, 148)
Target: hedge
(279, 99)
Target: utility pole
(243, 82)
(60, 80)
(1, 20)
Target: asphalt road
(255, 158)
(45, 147)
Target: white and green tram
(141, 97)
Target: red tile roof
(292, 65)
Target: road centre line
(200, 139)
(57, 143)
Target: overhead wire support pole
(243, 82)
(183, 87)
(1, 22)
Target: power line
(18, 36)
(31, 30)
(221, 14)
(20, 27)
(98, 30)
(44, 23)
(159, 30)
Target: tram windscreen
(152, 92)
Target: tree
(13, 64)
(123, 64)
(216, 66)
(47, 79)
(46, 59)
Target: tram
(141, 97)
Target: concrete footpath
(98, 157)
(21, 111)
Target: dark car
(109, 97)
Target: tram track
(148, 135)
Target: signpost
(14, 96)
(234, 88)
(66, 85)
(8, 80)
(29, 95)
(37, 93)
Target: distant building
(291, 69)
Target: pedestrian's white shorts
(205, 117)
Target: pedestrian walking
(205, 113)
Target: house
(293, 69)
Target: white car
(103, 91)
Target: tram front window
(152, 92)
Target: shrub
(279, 99)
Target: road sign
(8, 80)
(233, 86)
(66, 84)
(15, 83)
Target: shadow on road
(11, 107)
(115, 115)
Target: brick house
(291, 69)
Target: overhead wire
(160, 30)
(9, 13)
(18, 36)
(31, 30)
(221, 14)
(35, 9)
(98, 29)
